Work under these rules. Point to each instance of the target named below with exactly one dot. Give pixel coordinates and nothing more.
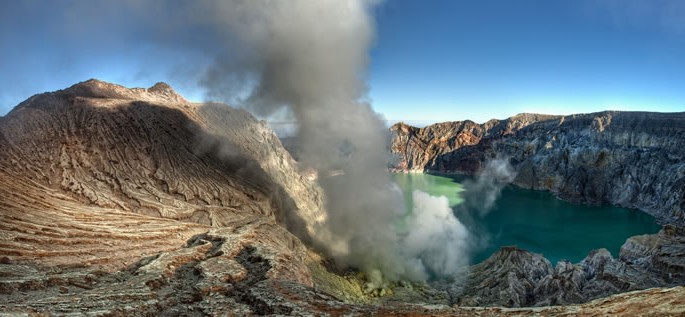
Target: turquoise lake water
(533, 220)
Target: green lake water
(533, 220)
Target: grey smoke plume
(308, 59)
(300, 59)
(482, 192)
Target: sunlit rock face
(435, 147)
(630, 159)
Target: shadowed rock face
(121, 202)
(630, 159)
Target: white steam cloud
(485, 189)
(437, 241)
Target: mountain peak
(106, 94)
(161, 87)
(94, 88)
(165, 91)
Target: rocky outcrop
(216, 274)
(517, 278)
(424, 149)
(630, 159)
(254, 267)
(225, 270)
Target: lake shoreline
(576, 227)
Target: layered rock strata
(629, 159)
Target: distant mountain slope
(631, 159)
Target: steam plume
(309, 58)
(303, 59)
(436, 238)
(482, 193)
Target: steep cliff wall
(425, 149)
(631, 159)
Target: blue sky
(434, 60)
(492, 59)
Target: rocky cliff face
(132, 202)
(630, 159)
(424, 149)
(517, 278)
